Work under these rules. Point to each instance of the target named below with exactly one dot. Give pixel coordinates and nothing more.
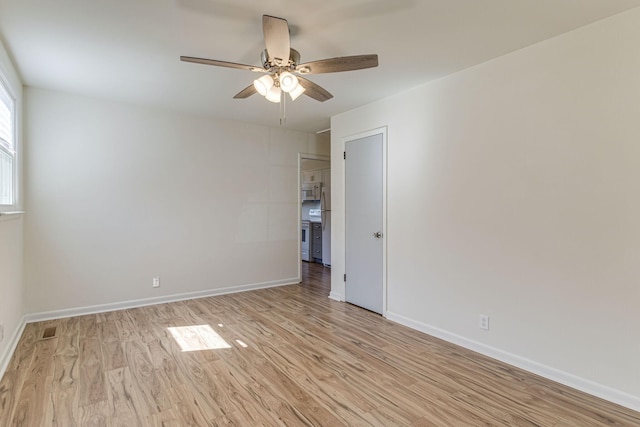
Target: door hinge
(344, 155)
(345, 277)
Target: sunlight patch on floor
(197, 338)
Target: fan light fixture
(288, 82)
(274, 94)
(271, 86)
(263, 84)
(296, 92)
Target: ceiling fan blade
(276, 39)
(222, 64)
(313, 90)
(246, 92)
(334, 65)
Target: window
(7, 147)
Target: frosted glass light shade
(296, 92)
(263, 84)
(274, 94)
(288, 81)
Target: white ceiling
(128, 50)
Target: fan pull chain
(283, 115)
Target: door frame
(302, 156)
(377, 131)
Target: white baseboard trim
(604, 392)
(11, 348)
(336, 296)
(103, 308)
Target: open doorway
(315, 209)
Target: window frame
(11, 147)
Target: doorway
(315, 209)
(365, 220)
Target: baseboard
(573, 381)
(5, 358)
(337, 296)
(102, 308)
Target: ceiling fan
(282, 68)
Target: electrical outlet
(156, 282)
(1, 331)
(484, 322)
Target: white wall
(11, 241)
(119, 194)
(514, 191)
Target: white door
(364, 205)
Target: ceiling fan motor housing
(294, 59)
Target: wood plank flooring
(273, 357)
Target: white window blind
(5, 125)
(7, 148)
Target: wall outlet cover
(484, 322)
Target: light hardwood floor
(280, 356)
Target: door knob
(377, 235)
